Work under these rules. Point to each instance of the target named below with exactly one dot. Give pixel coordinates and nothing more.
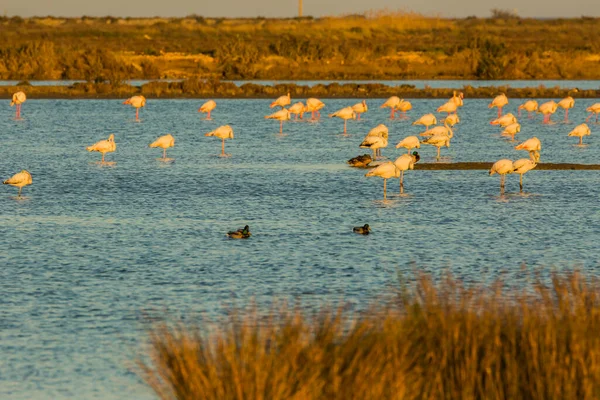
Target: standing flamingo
(504, 120)
(568, 103)
(314, 105)
(345, 114)
(458, 98)
(386, 171)
(511, 130)
(360, 108)
(375, 143)
(402, 108)
(593, 109)
(392, 102)
(380, 131)
(499, 101)
(533, 146)
(548, 109)
(529, 106)
(448, 107)
(104, 146)
(427, 120)
(18, 99)
(581, 131)
(452, 119)
(502, 168)
(409, 143)
(281, 116)
(282, 101)
(298, 109)
(521, 167)
(20, 180)
(404, 163)
(222, 132)
(164, 142)
(137, 102)
(207, 108)
(439, 140)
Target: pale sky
(288, 8)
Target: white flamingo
(222, 132)
(404, 163)
(499, 101)
(512, 130)
(104, 146)
(20, 180)
(298, 109)
(137, 102)
(386, 171)
(533, 146)
(568, 103)
(18, 99)
(449, 107)
(313, 106)
(409, 143)
(282, 101)
(345, 114)
(402, 108)
(375, 143)
(529, 106)
(580, 131)
(521, 167)
(452, 119)
(593, 109)
(457, 98)
(548, 109)
(440, 140)
(207, 108)
(392, 102)
(360, 108)
(502, 168)
(427, 120)
(504, 120)
(164, 142)
(281, 116)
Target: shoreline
(202, 89)
(485, 165)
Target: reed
(431, 340)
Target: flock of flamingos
(437, 136)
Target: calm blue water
(419, 84)
(93, 250)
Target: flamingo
(440, 140)
(512, 130)
(104, 146)
(499, 101)
(436, 130)
(20, 180)
(458, 98)
(521, 167)
(137, 102)
(529, 106)
(282, 101)
(568, 103)
(379, 131)
(297, 109)
(548, 109)
(403, 107)
(409, 143)
(533, 146)
(374, 143)
(448, 107)
(404, 163)
(504, 120)
(580, 131)
(392, 102)
(314, 105)
(281, 116)
(452, 119)
(386, 171)
(360, 108)
(17, 99)
(345, 114)
(207, 108)
(164, 142)
(593, 109)
(427, 120)
(222, 132)
(502, 168)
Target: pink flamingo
(207, 108)
(137, 102)
(18, 99)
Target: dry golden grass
(432, 341)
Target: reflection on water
(93, 249)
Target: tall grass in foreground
(432, 341)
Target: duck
(502, 168)
(243, 233)
(282, 101)
(360, 108)
(163, 142)
(409, 143)
(207, 108)
(504, 120)
(529, 106)
(533, 146)
(581, 131)
(222, 132)
(313, 106)
(362, 230)
(427, 120)
(104, 146)
(522, 166)
(360, 161)
(20, 180)
(345, 113)
(499, 101)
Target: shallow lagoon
(93, 250)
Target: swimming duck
(360, 161)
(363, 230)
(243, 233)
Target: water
(93, 250)
(419, 84)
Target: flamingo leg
(521, 183)
(137, 114)
(391, 113)
(208, 116)
(164, 154)
(19, 195)
(438, 153)
(499, 112)
(358, 116)
(589, 116)
(384, 189)
(345, 121)
(580, 140)
(374, 154)
(519, 112)
(401, 182)
(567, 115)
(102, 158)
(222, 147)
